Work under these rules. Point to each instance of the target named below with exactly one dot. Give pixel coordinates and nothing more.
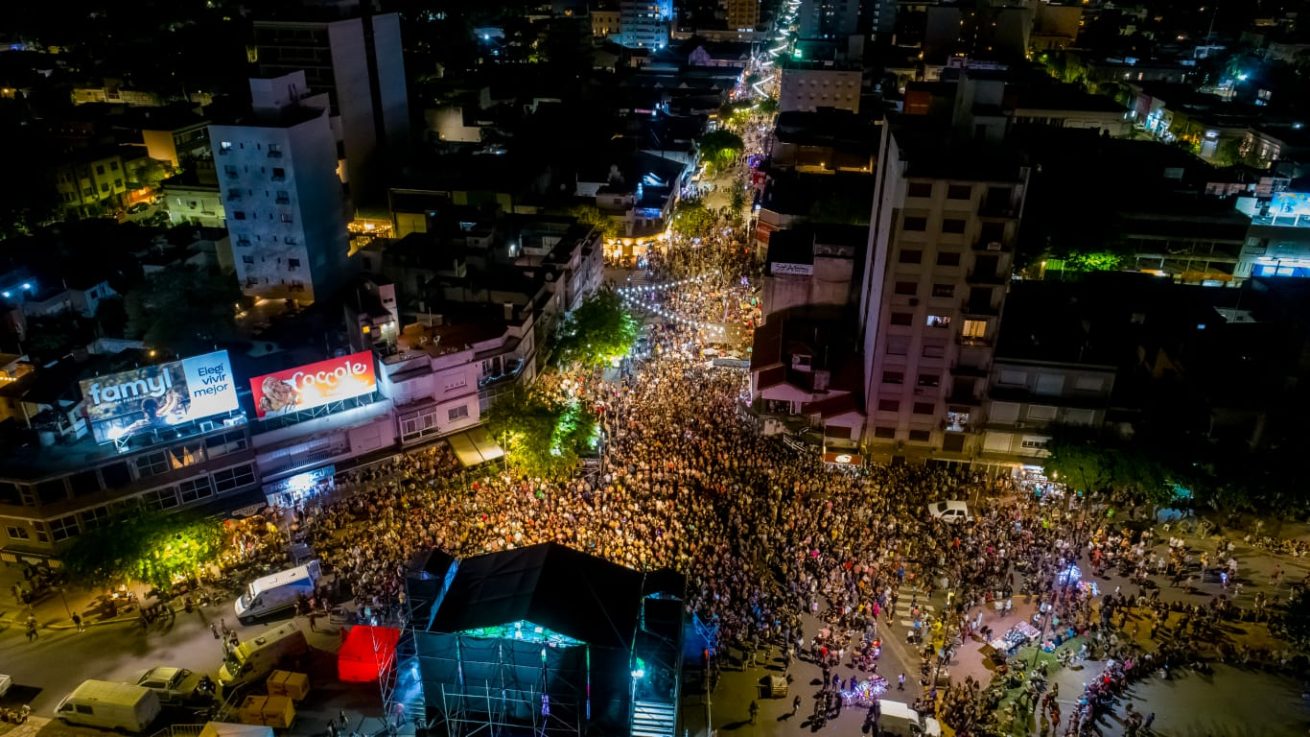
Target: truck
(276, 591)
(253, 660)
(109, 705)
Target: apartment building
(813, 85)
(277, 171)
(945, 217)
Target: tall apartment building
(359, 63)
(828, 19)
(811, 85)
(742, 15)
(940, 254)
(277, 171)
(645, 24)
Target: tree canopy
(1089, 461)
(146, 546)
(591, 215)
(692, 219)
(183, 310)
(598, 332)
(540, 437)
(720, 148)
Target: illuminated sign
(301, 485)
(780, 269)
(124, 404)
(314, 385)
(1290, 205)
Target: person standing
(754, 710)
(77, 621)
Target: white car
(174, 685)
(5, 683)
(951, 511)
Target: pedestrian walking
(754, 710)
(795, 705)
(31, 628)
(77, 621)
(900, 682)
(213, 627)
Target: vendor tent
(366, 653)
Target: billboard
(313, 385)
(124, 404)
(1290, 205)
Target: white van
(951, 511)
(254, 659)
(110, 705)
(276, 591)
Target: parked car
(138, 208)
(950, 511)
(5, 683)
(177, 685)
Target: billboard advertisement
(313, 385)
(1290, 205)
(124, 404)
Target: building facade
(828, 19)
(939, 261)
(359, 63)
(810, 86)
(277, 172)
(742, 15)
(645, 24)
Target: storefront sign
(778, 269)
(314, 385)
(121, 405)
(294, 488)
(842, 459)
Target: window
(248, 260)
(919, 189)
(18, 533)
(907, 288)
(992, 232)
(233, 478)
(953, 225)
(884, 433)
(889, 405)
(104, 187)
(279, 174)
(239, 215)
(187, 454)
(115, 475)
(898, 345)
(193, 490)
(118, 183)
(943, 290)
(224, 147)
(1032, 443)
(230, 171)
(165, 498)
(915, 223)
(934, 350)
(222, 444)
(286, 217)
(282, 198)
(95, 518)
(974, 329)
(84, 482)
(1013, 378)
(113, 166)
(1089, 383)
(293, 264)
(929, 380)
(947, 258)
(902, 318)
(274, 151)
(920, 436)
(41, 535)
(910, 256)
(938, 321)
(458, 413)
(1041, 412)
(64, 528)
(924, 408)
(959, 192)
(893, 377)
(100, 169)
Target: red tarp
(366, 652)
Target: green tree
(591, 215)
(1088, 460)
(184, 309)
(767, 106)
(538, 437)
(692, 219)
(1092, 261)
(147, 546)
(720, 148)
(598, 332)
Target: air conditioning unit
(994, 246)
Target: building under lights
(543, 640)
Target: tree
(540, 438)
(1088, 460)
(598, 332)
(147, 546)
(591, 215)
(767, 106)
(183, 309)
(692, 219)
(720, 148)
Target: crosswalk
(905, 606)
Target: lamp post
(63, 598)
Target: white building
(359, 63)
(277, 171)
(809, 86)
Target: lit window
(974, 329)
(938, 321)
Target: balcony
(993, 246)
(963, 399)
(976, 372)
(1005, 209)
(283, 200)
(983, 309)
(969, 341)
(274, 154)
(979, 276)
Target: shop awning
(474, 446)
